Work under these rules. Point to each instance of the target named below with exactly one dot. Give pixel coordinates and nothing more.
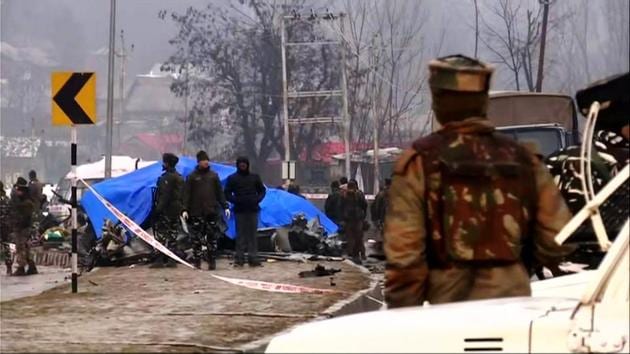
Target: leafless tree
(512, 34)
(385, 68)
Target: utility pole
(543, 39)
(285, 99)
(122, 54)
(344, 97)
(286, 95)
(186, 123)
(110, 90)
(375, 113)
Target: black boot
(170, 263)
(254, 263)
(212, 263)
(197, 263)
(9, 268)
(158, 263)
(19, 272)
(32, 269)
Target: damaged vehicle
(305, 236)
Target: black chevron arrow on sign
(65, 98)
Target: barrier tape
(135, 228)
(275, 287)
(251, 284)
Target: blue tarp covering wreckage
(132, 194)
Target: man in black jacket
(204, 200)
(245, 190)
(168, 208)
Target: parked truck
(547, 119)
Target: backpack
(480, 197)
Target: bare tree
(512, 33)
(385, 72)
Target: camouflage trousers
(354, 236)
(166, 231)
(22, 247)
(203, 233)
(467, 282)
(5, 251)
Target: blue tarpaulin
(132, 194)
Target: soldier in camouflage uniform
(203, 201)
(465, 201)
(21, 207)
(168, 208)
(611, 147)
(5, 230)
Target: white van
(91, 173)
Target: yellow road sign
(73, 98)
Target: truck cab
(547, 119)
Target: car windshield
(547, 139)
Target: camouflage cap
(459, 73)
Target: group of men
(468, 208)
(200, 202)
(347, 207)
(19, 214)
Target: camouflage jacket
(5, 226)
(169, 194)
(407, 222)
(21, 212)
(611, 154)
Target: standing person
(5, 229)
(204, 201)
(611, 144)
(332, 206)
(379, 207)
(343, 183)
(21, 206)
(245, 190)
(294, 189)
(464, 201)
(353, 211)
(36, 190)
(168, 208)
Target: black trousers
(246, 238)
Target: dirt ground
(17, 287)
(167, 310)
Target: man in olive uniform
(36, 190)
(168, 208)
(204, 201)
(353, 213)
(21, 206)
(465, 200)
(611, 144)
(5, 230)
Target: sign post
(73, 103)
(288, 170)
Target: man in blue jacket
(245, 190)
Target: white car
(585, 312)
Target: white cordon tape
(135, 228)
(275, 287)
(251, 284)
